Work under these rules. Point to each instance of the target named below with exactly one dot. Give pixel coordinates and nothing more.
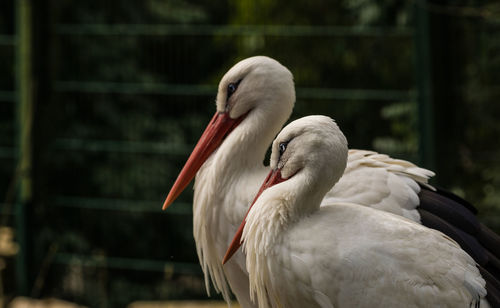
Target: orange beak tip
(167, 203)
(226, 257)
(229, 254)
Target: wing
(401, 188)
(377, 257)
(380, 182)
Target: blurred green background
(102, 101)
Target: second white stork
(299, 254)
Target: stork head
(310, 154)
(254, 86)
(313, 145)
(255, 83)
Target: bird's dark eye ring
(232, 87)
(282, 147)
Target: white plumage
(381, 182)
(343, 254)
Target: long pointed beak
(273, 178)
(217, 130)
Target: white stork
(299, 254)
(254, 100)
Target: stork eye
(282, 147)
(232, 87)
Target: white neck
(224, 188)
(276, 211)
(279, 207)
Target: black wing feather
(492, 287)
(468, 243)
(449, 210)
(490, 239)
(455, 217)
(456, 198)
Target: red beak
(219, 127)
(273, 178)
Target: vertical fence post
(423, 71)
(24, 110)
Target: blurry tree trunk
(447, 47)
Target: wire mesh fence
(123, 91)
